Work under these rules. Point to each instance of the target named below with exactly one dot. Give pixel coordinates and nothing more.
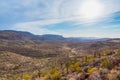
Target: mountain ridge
(24, 35)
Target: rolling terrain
(25, 56)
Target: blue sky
(61, 17)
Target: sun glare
(91, 9)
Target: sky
(70, 18)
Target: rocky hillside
(104, 66)
(25, 56)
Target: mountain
(20, 35)
(15, 35)
(115, 40)
(53, 37)
(86, 39)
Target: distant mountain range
(21, 35)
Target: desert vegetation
(23, 57)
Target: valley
(25, 56)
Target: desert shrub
(56, 75)
(27, 76)
(53, 74)
(15, 77)
(86, 59)
(75, 67)
(91, 70)
(85, 68)
(73, 60)
(105, 63)
(105, 52)
(89, 59)
(44, 73)
(16, 67)
(118, 52)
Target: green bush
(27, 76)
(53, 74)
(107, 51)
(118, 52)
(105, 63)
(75, 67)
(92, 70)
(56, 75)
(15, 77)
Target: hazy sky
(70, 18)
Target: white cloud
(38, 13)
(44, 9)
